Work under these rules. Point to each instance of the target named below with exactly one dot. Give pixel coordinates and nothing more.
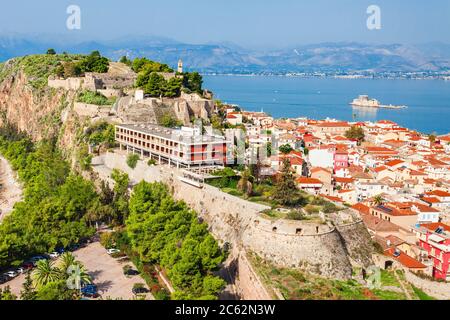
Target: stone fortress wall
(318, 248)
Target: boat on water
(366, 102)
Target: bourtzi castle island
(185, 197)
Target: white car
(112, 251)
(21, 270)
(54, 255)
(11, 274)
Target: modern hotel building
(184, 148)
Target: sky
(248, 23)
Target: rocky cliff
(51, 112)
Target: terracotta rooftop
(438, 193)
(405, 260)
(306, 180)
(361, 208)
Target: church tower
(180, 66)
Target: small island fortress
(366, 102)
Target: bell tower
(180, 66)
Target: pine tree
(286, 192)
(28, 292)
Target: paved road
(107, 274)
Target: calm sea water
(428, 101)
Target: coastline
(10, 189)
(310, 76)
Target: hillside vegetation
(53, 212)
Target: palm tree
(45, 273)
(378, 200)
(66, 260)
(68, 264)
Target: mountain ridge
(230, 58)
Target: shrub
(295, 215)
(107, 240)
(162, 295)
(91, 97)
(138, 285)
(151, 162)
(126, 269)
(132, 160)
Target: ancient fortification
(322, 249)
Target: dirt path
(10, 189)
(402, 284)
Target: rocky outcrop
(36, 113)
(152, 110)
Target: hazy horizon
(249, 24)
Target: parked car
(28, 266)
(4, 278)
(112, 251)
(60, 250)
(131, 272)
(90, 291)
(54, 255)
(11, 274)
(21, 270)
(140, 289)
(73, 247)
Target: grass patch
(91, 97)
(299, 285)
(422, 295)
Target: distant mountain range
(228, 58)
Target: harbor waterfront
(428, 101)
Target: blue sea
(428, 101)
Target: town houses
(397, 179)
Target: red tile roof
(433, 226)
(344, 180)
(361, 208)
(393, 163)
(405, 260)
(306, 180)
(438, 193)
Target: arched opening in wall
(274, 229)
(298, 231)
(388, 264)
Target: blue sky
(250, 23)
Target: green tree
(193, 82)
(6, 294)
(28, 292)
(173, 88)
(169, 121)
(286, 149)
(125, 60)
(286, 191)
(378, 200)
(155, 86)
(45, 273)
(51, 51)
(132, 160)
(355, 133)
(166, 232)
(269, 149)
(56, 290)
